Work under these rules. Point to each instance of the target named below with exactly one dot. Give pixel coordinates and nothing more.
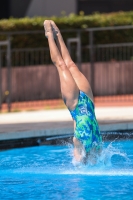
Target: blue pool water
(49, 172)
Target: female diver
(78, 97)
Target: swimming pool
(49, 172)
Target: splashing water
(112, 161)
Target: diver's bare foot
(48, 28)
(55, 29)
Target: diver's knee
(70, 64)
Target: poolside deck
(48, 123)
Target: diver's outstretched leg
(69, 88)
(79, 78)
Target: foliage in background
(69, 22)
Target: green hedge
(70, 22)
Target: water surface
(50, 172)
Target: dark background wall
(18, 8)
(31, 8)
(4, 8)
(14, 8)
(21, 8)
(90, 6)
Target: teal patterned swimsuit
(87, 129)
